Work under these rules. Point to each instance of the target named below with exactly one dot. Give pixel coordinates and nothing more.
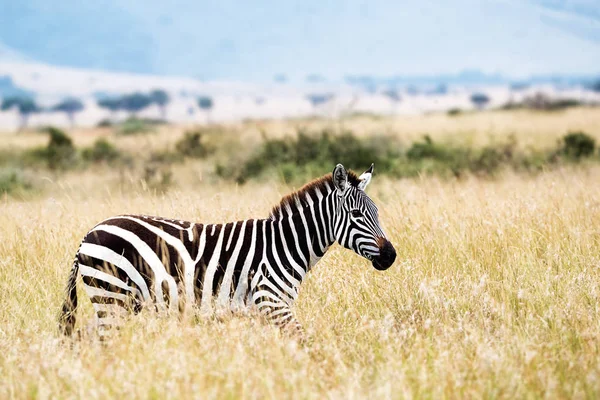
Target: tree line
(131, 103)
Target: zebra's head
(356, 220)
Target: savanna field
(494, 292)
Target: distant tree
(25, 105)
(440, 89)
(519, 86)
(113, 104)
(206, 104)
(161, 99)
(595, 86)
(480, 100)
(70, 106)
(135, 102)
(394, 97)
(413, 90)
(259, 101)
(319, 99)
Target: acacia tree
(161, 99)
(25, 105)
(317, 100)
(135, 102)
(206, 104)
(70, 106)
(112, 104)
(394, 98)
(480, 100)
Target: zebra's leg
(109, 317)
(275, 306)
(111, 308)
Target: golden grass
(494, 294)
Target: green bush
(59, 138)
(542, 102)
(157, 170)
(134, 126)
(191, 145)
(104, 123)
(12, 180)
(577, 145)
(492, 157)
(426, 149)
(59, 153)
(435, 158)
(454, 112)
(101, 151)
(309, 154)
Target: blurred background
(172, 94)
(80, 63)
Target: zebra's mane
(324, 184)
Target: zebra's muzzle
(387, 255)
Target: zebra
(129, 262)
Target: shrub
(309, 154)
(101, 151)
(577, 145)
(190, 145)
(104, 123)
(134, 126)
(58, 138)
(489, 159)
(157, 171)
(543, 102)
(424, 149)
(454, 112)
(59, 153)
(12, 180)
(429, 157)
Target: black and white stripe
(133, 261)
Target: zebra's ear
(340, 178)
(365, 178)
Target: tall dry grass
(494, 294)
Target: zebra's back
(131, 261)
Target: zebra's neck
(304, 225)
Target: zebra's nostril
(387, 255)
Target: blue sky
(256, 40)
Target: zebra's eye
(356, 213)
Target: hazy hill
(254, 41)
